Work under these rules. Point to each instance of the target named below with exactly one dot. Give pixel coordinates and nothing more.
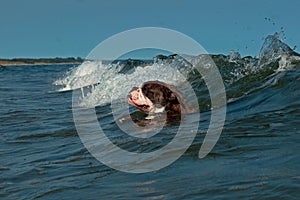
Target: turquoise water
(256, 157)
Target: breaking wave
(100, 81)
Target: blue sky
(61, 28)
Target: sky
(71, 28)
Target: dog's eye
(145, 106)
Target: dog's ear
(173, 97)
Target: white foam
(88, 73)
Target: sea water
(256, 157)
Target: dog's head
(154, 96)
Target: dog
(156, 97)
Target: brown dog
(156, 97)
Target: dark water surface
(42, 157)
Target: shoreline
(39, 61)
(14, 64)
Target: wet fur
(161, 95)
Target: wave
(241, 75)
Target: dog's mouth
(142, 107)
(136, 98)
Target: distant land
(40, 61)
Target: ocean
(257, 156)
